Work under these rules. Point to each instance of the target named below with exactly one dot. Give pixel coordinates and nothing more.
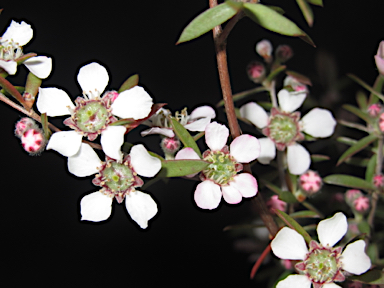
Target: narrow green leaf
(299, 77)
(206, 21)
(378, 87)
(316, 2)
(129, 83)
(306, 10)
(319, 158)
(184, 136)
(44, 123)
(366, 86)
(362, 100)
(371, 169)
(293, 224)
(357, 112)
(346, 140)
(348, 181)
(357, 161)
(360, 145)
(372, 277)
(178, 168)
(283, 195)
(304, 214)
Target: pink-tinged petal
(133, 103)
(143, 163)
(93, 78)
(298, 159)
(216, 136)
(67, 143)
(331, 285)
(331, 230)
(202, 112)
(295, 281)
(289, 245)
(187, 153)
(245, 148)
(354, 259)
(198, 125)
(267, 151)
(255, 114)
(207, 195)
(318, 123)
(141, 207)
(379, 64)
(85, 162)
(167, 132)
(290, 101)
(111, 140)
(41, 66)
(9, 66)
(246, 184)
(95, 207)
(54, 102)
(231, 194)
(20, 33)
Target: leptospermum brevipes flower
(118, 180)
(322, 264)
(93, 114)
(221, 177)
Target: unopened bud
(170, 145)
(379, 58)
(23, 125)
(374, 110)
(378, 180)
(361, 204)
(275, 203)
(381, 122)
(264, 49)
(256, 71)
(33, 141)
(310, 182)
(292, 83)
(283, 53)
(351, 195)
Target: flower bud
(378, 180)
(379, 58)
(381, 122)
(275, 203)
(310, 182)
(361, 204)
(374, 110)
(264, 49)
(283, 53)
(351, 195)
(23, 125)
(256, 71)
(33, 141)
(292, 83)
(170, 145)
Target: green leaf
(206, 21)
(357, 161)
(306, 10)
(319, 158)
(362, 100)
(184, 136)
(372, 277)
(178, 168)
(44, 123)
(357, 112)
(299, 77)
(304, 214)
(294, 225)
(316, 2)
(347, 140)
(360, 145)
(283, 195)
(348, 181)
(371, 169)
(377, 86)
(129, 83)
(366, 86)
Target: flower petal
(290, 101)
(354, 259)
(167, 132)
(245, 148)
(95, 207)
(133, 103)
(202, 112)
(85, 162)
(295, 281)
(93, 78)
(331, 285)
(267, 151)
(216, 136)
(198, 125)
(143, 163)
(207, 195)
(231, 194)
(187, 153)
(379, 64)
(289, 244)
(111, 140)
(141, 207)
(41, 66)
(254, 113)
(54, 102)
(298, 159)
(20, 33)
(67, 143)
(9, 66)
(331, 230)
(318, 123)
(246, 184)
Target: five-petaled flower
(221, 177)
(321, 264)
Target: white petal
(93, 78)
(245, 148)
(198, 125)
(111, 140)
(290, 101)
(331, 285)
(318, 123)
(143, 163)
(216, 136)
(354, 260)
(267, 151)
(254, 113)
(298, 159)
(54, 102)
(133, 103)
(20, 33)
(167, 132)
(67, 143)
(289, 244)
(41, 66)
(84, 162)
(246, 184)
(202, 112)
(187, 153)
(141, 207)
(295, 281)
(9, 66)
(95, 207)
(231, 194)
(331, 230)
(207, 195)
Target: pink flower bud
(381, 122)
(275, 203)
(351, 195)
(378, 180)
(374, 110)
(264, 49)
(310, 182)
(283, 53)
(256, 71)
(33, 141)
(23, 125)
(379, 58)
(361, 204)
(294, 84)
(170, 145)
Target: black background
(43, 239)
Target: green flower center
(283, 128)
(91, 117)
(222, 168)
(117, 177)
(322, 265)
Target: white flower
(221, 177)
(318, 123)
(93, 78)
(118, 180)
(322, 264)
(16, 36)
